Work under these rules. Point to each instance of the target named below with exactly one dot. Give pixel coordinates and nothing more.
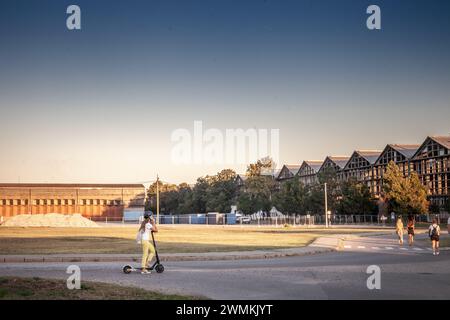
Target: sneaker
(145, 271)
(437, 253)
(434, 253)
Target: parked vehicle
(240, 218)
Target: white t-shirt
(146, 233)
(438, 229)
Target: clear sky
(100, 104)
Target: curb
(243, 256)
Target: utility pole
(157, 199)
(326, 207)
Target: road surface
(406, 273)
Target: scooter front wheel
(159, 268)
(127, 269)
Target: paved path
(388, 244)
(405, 274)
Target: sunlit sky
(100, 104)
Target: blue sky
(99, 104)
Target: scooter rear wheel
(159, 268)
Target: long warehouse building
(90, 200)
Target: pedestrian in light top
(399, 229)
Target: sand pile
(49, 220)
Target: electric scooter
(157, 266)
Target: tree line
(261, 192)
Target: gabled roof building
(307, 174)
(432, 163)
(288, 171)
(401, 154)
(360, 167)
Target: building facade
(360, 167)
(307, 174)
(401, 155)
(288, 171)
(430, 160)
(90, 200)
(432, 164)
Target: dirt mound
(49, 220)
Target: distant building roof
(314, 164)
(443, 140)
(370, 155)
(293, 168)
(408, 150)
(340, 161)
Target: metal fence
(279, 220)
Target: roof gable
(310, 167)
(433, 147)
(362, 158)
(288, 171)
(389, 154)
(336, 162)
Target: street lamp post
(157, 199)
(326, 206)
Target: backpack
(433, 232)
(139, 237)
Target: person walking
(434, 232)
(148, 225)
(399, 229)
(448, 225)
(411, 228)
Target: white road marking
(429, 249)
(375, 248)
(418, 249)
(389, 248)
(361, 247)
(404, 249)
(347, 247)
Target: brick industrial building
(90, 200)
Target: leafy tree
(418, 202)
(334, 190)
(163, 200)
(221, 193)
(314, 201)
(257, 194)
(356, 199)
(199, 195)
(264, 164)
(185, 199)
(291, 198)
(405, 195)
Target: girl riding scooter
(148, 250)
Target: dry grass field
(171, 239)
(14, 288)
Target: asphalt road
(406, 273)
